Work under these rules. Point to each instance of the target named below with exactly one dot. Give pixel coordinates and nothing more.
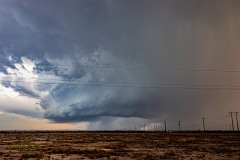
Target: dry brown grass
(119, 145)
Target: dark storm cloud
(24, 91)
(31, 30)
(109, 106)
(33, 114)
(4, 57)
(21, 89)
(60, 36)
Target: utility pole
(203, 124)
(179, 124)
(237, 121)
(232, 120)
(193, 127)
(165, 124)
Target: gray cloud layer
(58, 36)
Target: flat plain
(119, 145)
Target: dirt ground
(119, 145)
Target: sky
(119, 64)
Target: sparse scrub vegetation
(119, 145)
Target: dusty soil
(119, 145)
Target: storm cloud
(152, 60)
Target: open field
(119, 145)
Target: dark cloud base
(60, 37)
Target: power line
(203, 124)
(129, 85)
(136, 68)
(165, 126)
(179, 125)
(119, 82)
(237, 120)
(232, 120)
(236, 113)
